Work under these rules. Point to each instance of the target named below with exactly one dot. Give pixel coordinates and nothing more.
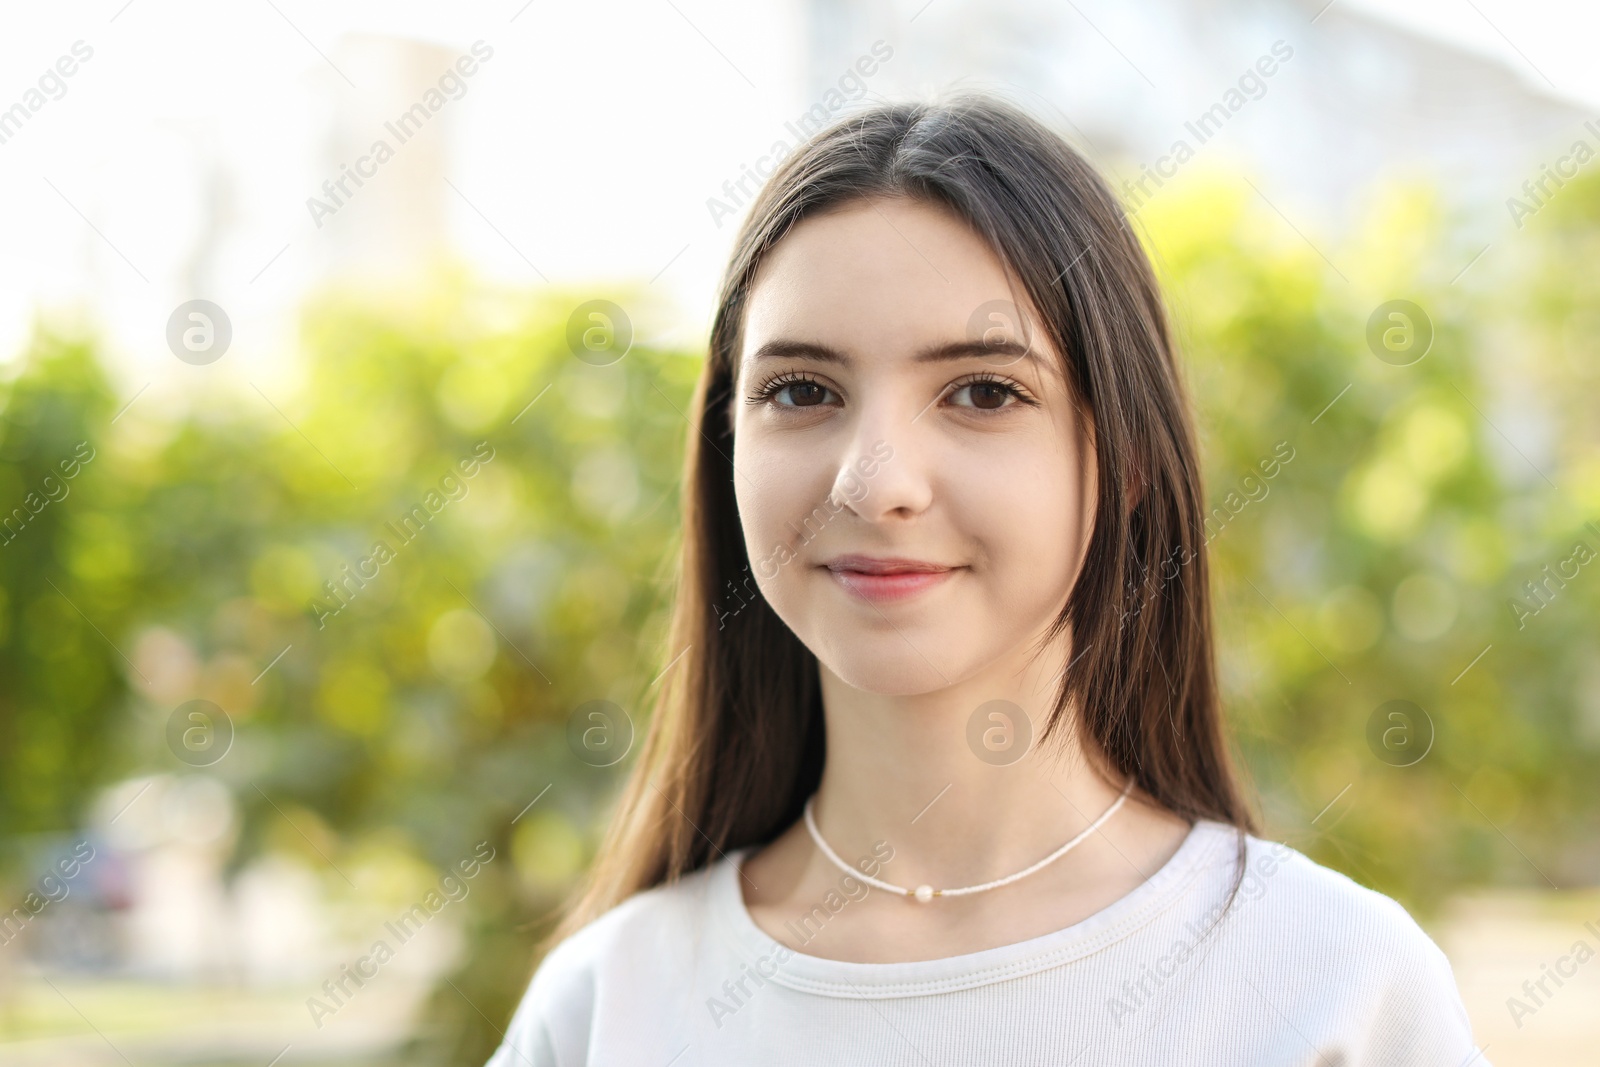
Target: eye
(988, 392)
(803, 391)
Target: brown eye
(986, 394)
(803, 394)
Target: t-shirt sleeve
(1420, 1018)
(550, 1027)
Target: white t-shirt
(1306, 968)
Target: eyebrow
(938, 353)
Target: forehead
(882, 277)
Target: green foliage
(60, 682)
(225, 537)
(1381, 560)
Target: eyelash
(775, 385)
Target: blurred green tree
(61, 681)
(1380, 562)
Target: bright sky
(1552, 42)
(585, 151)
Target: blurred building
(1350, 97)
(382, 155)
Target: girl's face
(871, 421)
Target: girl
(938, 774)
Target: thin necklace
(925, 893)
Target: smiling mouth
(884, 580)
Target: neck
(948, 794)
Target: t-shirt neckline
(839, 978)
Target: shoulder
(1320, 909)
(1310, 932)
(629, 944)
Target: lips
(881, 579)
(883, 565)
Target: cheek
(1028, 518)
(779, 493)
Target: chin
(873, 664)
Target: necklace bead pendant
(925, 893)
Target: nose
(882, 476)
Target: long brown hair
(735, 743)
